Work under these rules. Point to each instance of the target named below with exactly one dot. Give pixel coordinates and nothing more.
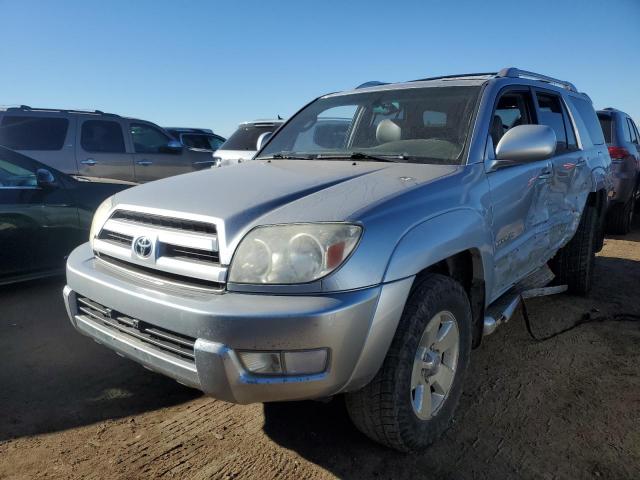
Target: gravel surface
(567, 407)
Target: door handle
(89, 161)
(546, 173)
(144, 162)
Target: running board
(503, 308)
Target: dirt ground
(568, 407)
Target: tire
(620, 217)
(573, 264)
(386, 409)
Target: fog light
(305, 362)
(298, 362)
(262, 362)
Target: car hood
(263, 192)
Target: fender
(440, 237)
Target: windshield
(427, 125)
(246, 136)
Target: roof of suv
(464, 80)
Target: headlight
(100, 217)
(297, 253)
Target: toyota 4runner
(365, 261)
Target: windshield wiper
(285, 156)
(364, 156)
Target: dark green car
(44, 214)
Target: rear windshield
(33, 133)
(606, 122)
(246, 137)
(200, 140)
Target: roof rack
(27, 108)
(463, 75)
(372, 83)
(513, 72)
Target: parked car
(367, 267)
(244, 142)
(44, 214)
(198, 139)
(97, 144)
(623, 141)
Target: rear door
(520, 196)
(102, 149)
(570, 172)
(154, 158)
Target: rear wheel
(573, 264)
(620, 217)
(412, 399)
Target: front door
(519, 198)
(154, 158)
(38, 226)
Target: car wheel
(412, 399)
(573, 264)
(621, 217)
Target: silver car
(365, 261)
(243, 144)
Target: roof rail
(74, 110)
(513, 72)
(463, 75)
(372, 83)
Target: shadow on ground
(52, 378)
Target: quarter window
(590, 119)
(33, 133)
(632, 131)
(102, 136)
(148, 139)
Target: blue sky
(215, 64)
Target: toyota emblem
(142, 247)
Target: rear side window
(632, 132)
(550, 113)
(100, 136)
(606, 122)
(33, 133)
(635, 129)
(148, 139)
(246, 137)
(588, 115)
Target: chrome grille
(184, 250)
(171, 342)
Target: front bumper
(356, 327)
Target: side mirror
(44, 178)
(173, 146)
(262, 139)
(526, 143)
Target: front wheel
(412, 399)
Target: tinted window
(148, 139)
(102, 136)
(246, 137)
(197, 140)
(634, 138)
(15, 176)
(33, 133)
(588, 115)
(550, 113)
(606, 122)
(635, 129)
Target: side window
(512, 109)
(626, 133)
(148, 139)
(550, 113)
(590, 119)
(15, 176)
(100, 136)
(635, 128)
(215, 142)
(20, 132)
(632, 131)
(330, 130)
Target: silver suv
(98, 144)
(364, 261)
(243, 144)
